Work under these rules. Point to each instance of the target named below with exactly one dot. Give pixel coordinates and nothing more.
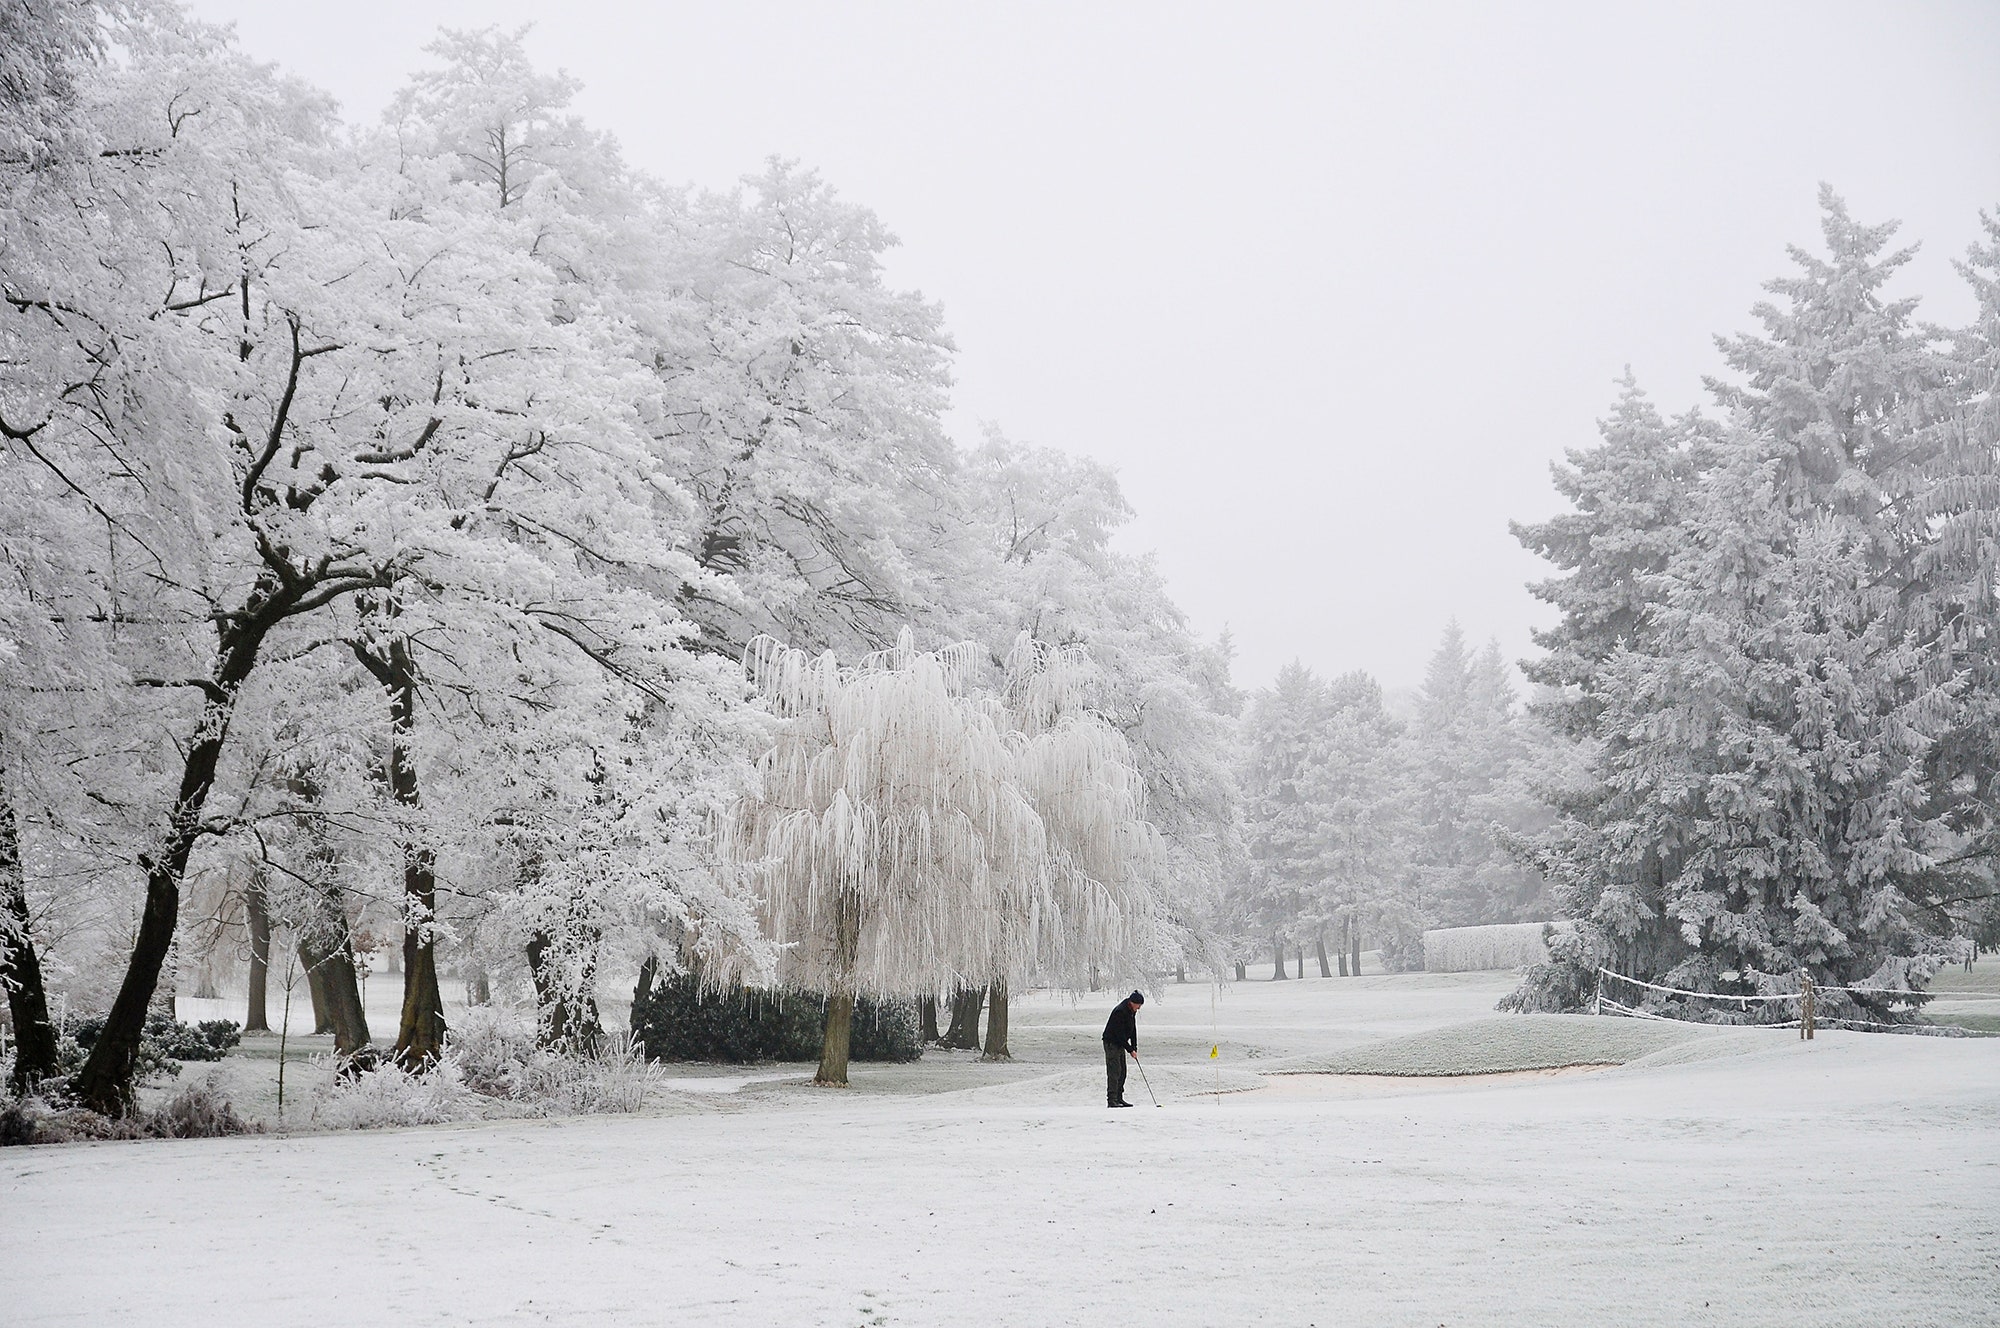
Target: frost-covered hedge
(678, 1021)
(1475, 949)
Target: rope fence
(1806, 1021)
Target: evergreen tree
(1761, 729)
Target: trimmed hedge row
(678, 1021)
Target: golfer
(1121, 1039)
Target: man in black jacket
(1121, 1039)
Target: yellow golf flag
(1215, 1051)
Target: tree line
(389, 513)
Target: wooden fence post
(1806, 1007)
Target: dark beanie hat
(1137, 998)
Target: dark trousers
(1114, 1074)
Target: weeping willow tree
(915, 835)
(890, 826)
(1090, 901)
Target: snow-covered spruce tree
(1282, 740)
(1761, 740)
(1466, 752)
(1631, 494)
(1959, 597)
(1358, 786)
(892, 829)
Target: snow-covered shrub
(390, 1096)
(198, 1111)
(677, 1020)
(164, 1043)
(1476, 949)
(498, 1056)
(1568, 977)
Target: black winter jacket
(1121, 1029)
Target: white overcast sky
(1329, 285)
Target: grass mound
(1497, 1046)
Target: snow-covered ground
(1851, 1180)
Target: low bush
(500, 1057)
(198, 1111)
(389, 1096)
(162, 1045)
(493, 1064)
(677, 1020)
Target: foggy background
(1328, 286)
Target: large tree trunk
(1319, 943)
(20, 966)
(996, 1023)
(927, 1028)
(834, 1045)
(256, 907)
(1278, 973)
(1341, 949)
(104, 1084)
(963, 1034)
(420, 1032)
(1354, 951)
(338, 998)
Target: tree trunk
(1354, 943)
(834, 1045)
(964, 1031)
(421, 1029)
(255, 1016)
(479, 990)
(1180, 972)
(20, 965)
(1341, 949)
(996, 1023)
(316, 988)
(339, 993)
(1319, 943)
(564, 1018)
(927, 1028)
(104, 1084)
(1299, 954)
(1278, 973)
(834, 1042)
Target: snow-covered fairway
(1853, 1180)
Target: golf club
(1143, 1079)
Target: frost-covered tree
(915, 835)
(1091, 901)
(799, 399)
(1040, 553)
(1467, 746)
(1281, 751)
(1761, 734)
(892, 828)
